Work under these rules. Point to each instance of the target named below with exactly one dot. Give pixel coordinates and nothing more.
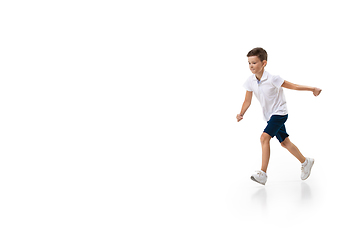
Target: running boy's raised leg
(306, 163)
(293, 149)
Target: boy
(268, 90)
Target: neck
(259, 75)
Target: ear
(264, 63)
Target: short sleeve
(277, 81)
(247, 85)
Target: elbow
(247, 102)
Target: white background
(118, 120)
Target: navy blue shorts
(276, 127)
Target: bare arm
(289, 85)
(245, 106)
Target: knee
(285, 143)
(264, 138)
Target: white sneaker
(306, 168)
(259, 177)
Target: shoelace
(259, 173)
(302, 166)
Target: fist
(317, 92)
(239, 117)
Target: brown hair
(259, 52)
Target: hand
(317, 91)
(239, 117)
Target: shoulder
(248, 83)
(276, 80)
(250, 79)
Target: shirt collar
(263, 77)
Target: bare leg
(293, 149)
(265, 145)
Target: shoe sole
(309, 171)
(252, 178)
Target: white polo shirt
(269, 93)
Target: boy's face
(255, 65)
